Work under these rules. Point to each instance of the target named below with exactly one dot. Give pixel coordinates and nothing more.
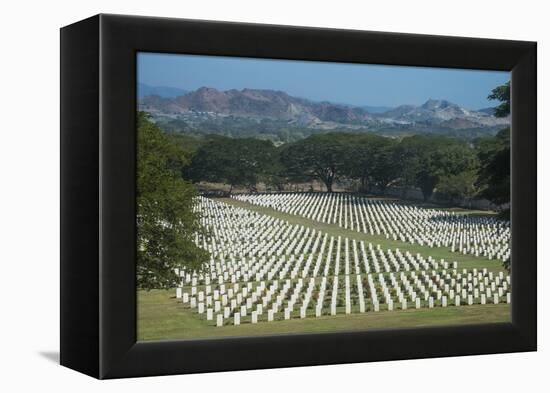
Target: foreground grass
(163, 317)
(464, 261)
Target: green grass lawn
(163, 317)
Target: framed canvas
(239, 196)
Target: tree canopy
(320, 157)
(451, 166)
(494, 173)
(237, 162)
(494, 155)
(502, 94)
(370, 160)
(426, 160)
(166, 222)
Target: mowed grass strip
(464, 261)
(162, 317)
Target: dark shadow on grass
(52, 356)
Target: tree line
(428, 162)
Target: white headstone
(287, 313)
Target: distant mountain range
(162, 91)
(376, 109)
(192, 111)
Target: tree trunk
(364, 185)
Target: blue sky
(354, 84)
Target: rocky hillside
(259, 106)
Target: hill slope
(212, 109)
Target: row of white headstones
(252, 255)
(381, 292)
(479, 236)
(249, 246)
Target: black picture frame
(98, 119)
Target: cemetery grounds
(293, 263)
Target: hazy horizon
(342, 83)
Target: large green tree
(425, 160)
(494, 172)
(166, 222)
(494, 155)
(459, 186)
(370, 160)
(501, 93)
(234, 161)
(321, 157)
